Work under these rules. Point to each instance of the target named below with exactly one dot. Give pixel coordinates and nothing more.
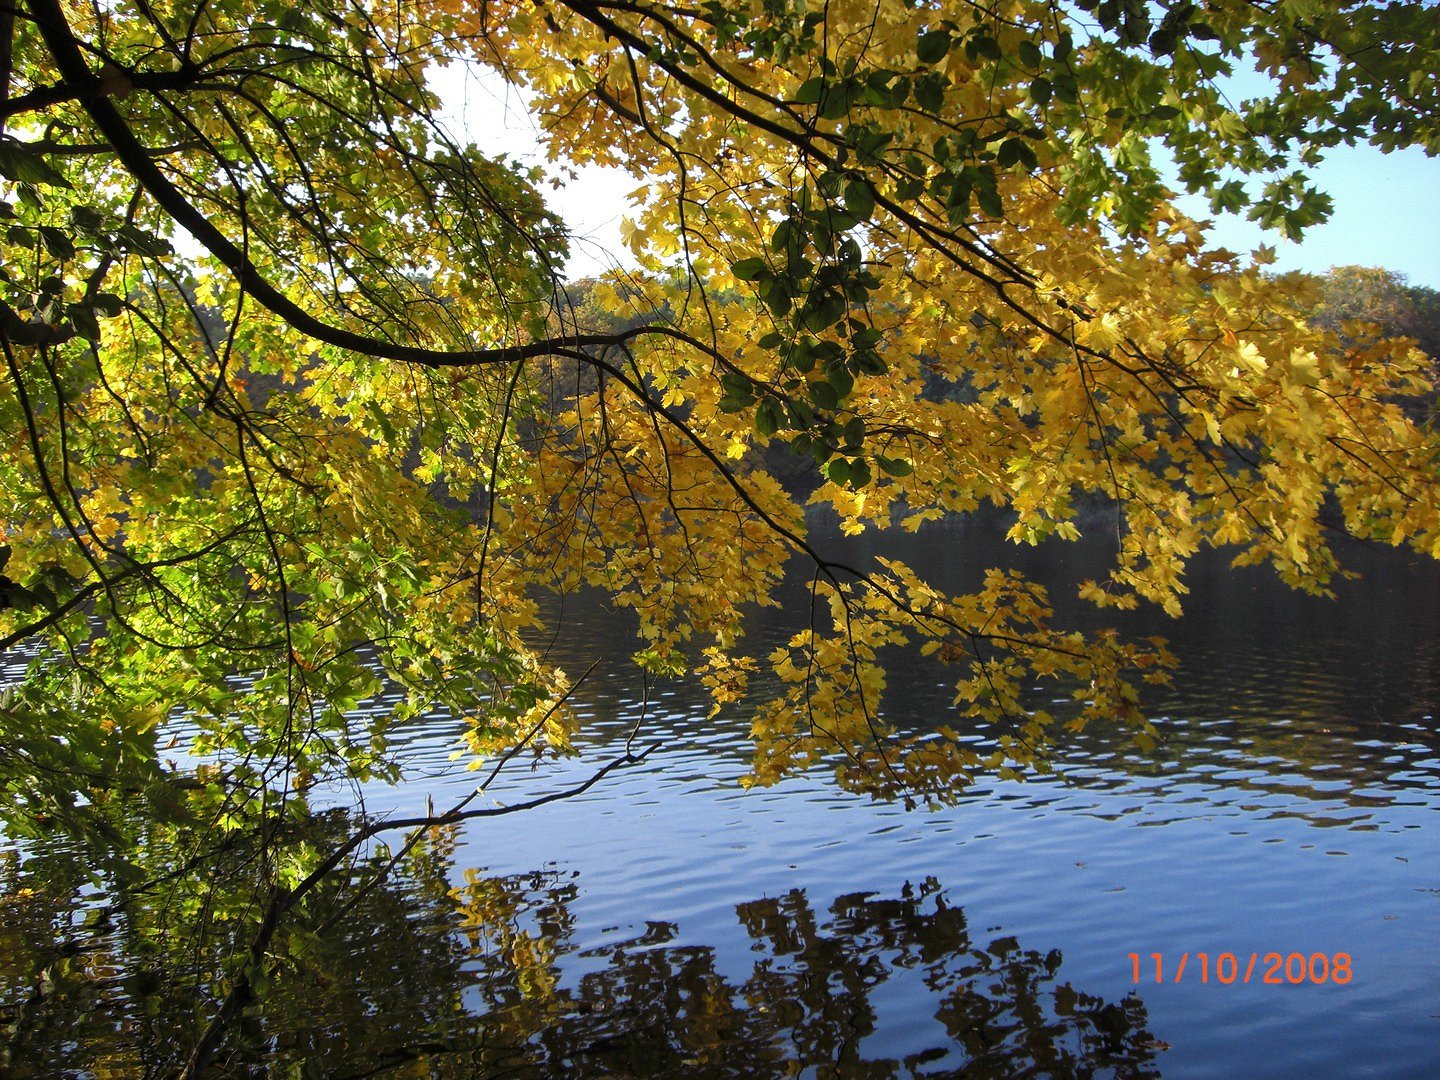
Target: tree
(1370, 294)
(1367, 294)
(1386, 304)
(296, 410)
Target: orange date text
(1226, 968)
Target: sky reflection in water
(669, 923)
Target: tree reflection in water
(420, 978)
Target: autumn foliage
(296, 406)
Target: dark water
(668, 923)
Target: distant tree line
(1372, 294)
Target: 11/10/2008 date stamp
(1273, 968)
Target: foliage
(1360, 301)
(297, 418)
(1370, 294)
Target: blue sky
(1387, 213)
(1387, 206)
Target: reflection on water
(495, 978)
(667, 923)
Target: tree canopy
(1370, 294)
(297, 406)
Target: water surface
(668, 922)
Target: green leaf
(805, 444)
(24, 166)
(930, 92)
(837, 471)
(107, 304)
(932, 46)
(980, 44)
(802, 356)
(775, 294)
(823, 395)
(841, 220)
(823, 309)
(801, 415)
(895, 466)
(16, 596)
(869, 362)
(387, 429)
(82, 317)
(1063, 81)
(989, 198)
(57, 242)
(810, 91)
(878, 90)
(767, 417)
(141, 241)
(751, 269)
(835, 104)
(957, 203)
(86, 218)
(859, 199)
(732, 382)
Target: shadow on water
(494, 978)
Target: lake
(667, 922)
